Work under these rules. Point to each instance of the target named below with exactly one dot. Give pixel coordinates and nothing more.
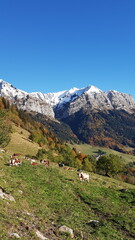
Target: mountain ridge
(95, 117)
(49, 103)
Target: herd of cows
(15, 161)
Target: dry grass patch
(21, 143)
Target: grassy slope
(47, 198)
(92, 150)
(20, 142)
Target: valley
(36, 201)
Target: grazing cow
(42, 161)
(16, 155)
(33, 162)
(61, 164)
(84, 176)
(68, 168)
(45, 162)
(15, 162)
(71, 169)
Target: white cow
(84, 176)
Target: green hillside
(47, 198)
(93, 150)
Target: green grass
(92, 150)
(53, 196)
(47, 198)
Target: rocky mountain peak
(65, 103)
(92, 89)
(25, 101)
(121, 100)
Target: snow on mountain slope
(121, 100)
(67, 102)
(7, 89)
(24, 100)
(63, 97)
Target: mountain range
(96, 117)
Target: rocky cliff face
(66, 103)
(121, 101)
(24, 100)
(94, 116)
(95, 100)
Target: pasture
(93, 150)
(20, 142)
(46, 198)
(49, 197)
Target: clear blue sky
(54, 45)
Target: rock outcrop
(6, 196)
(65, 229)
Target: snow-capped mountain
(65, 103)
(25, 101)
(121, 100)
(62, 97)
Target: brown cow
(15, 162)
(33, 162)
(45, 162)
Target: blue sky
(54, 45)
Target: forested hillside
(114, 129)
(60, 129)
